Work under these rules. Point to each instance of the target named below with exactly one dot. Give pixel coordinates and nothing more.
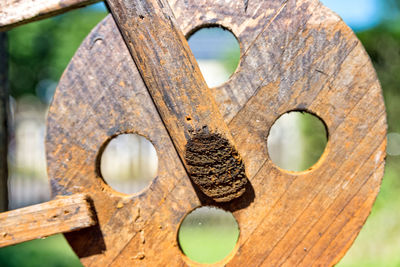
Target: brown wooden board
(295, 55)
(18, 12)
(64, 214)
(182, 98)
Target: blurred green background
(40, 51)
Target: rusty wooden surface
(183, 100)
(64, 214)
(18, 12)
(4, 107)
(295, 55)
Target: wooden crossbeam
(182, 97)
(17, 12)
(64, 214)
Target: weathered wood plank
(296, 55)
(4, 107)
(17, 12)
(64, 214)
(186, 105)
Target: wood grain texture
(295, 55)
(4, 120)
(64, 214)
(181, 95)
(18, 12)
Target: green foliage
(50, 252)
(40, 51)
(383, 46)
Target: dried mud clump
(215, 166)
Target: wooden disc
(295, 55)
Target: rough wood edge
(15, 13)
(64, 214)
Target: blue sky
(358, 14)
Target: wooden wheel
(295, 55)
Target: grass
(50, 252)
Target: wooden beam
(4, 106)
(64, 214)
(182, 97)
(17, 12)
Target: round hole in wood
(217, 52)
(129, 163)
(297, 140)
(208, 235)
